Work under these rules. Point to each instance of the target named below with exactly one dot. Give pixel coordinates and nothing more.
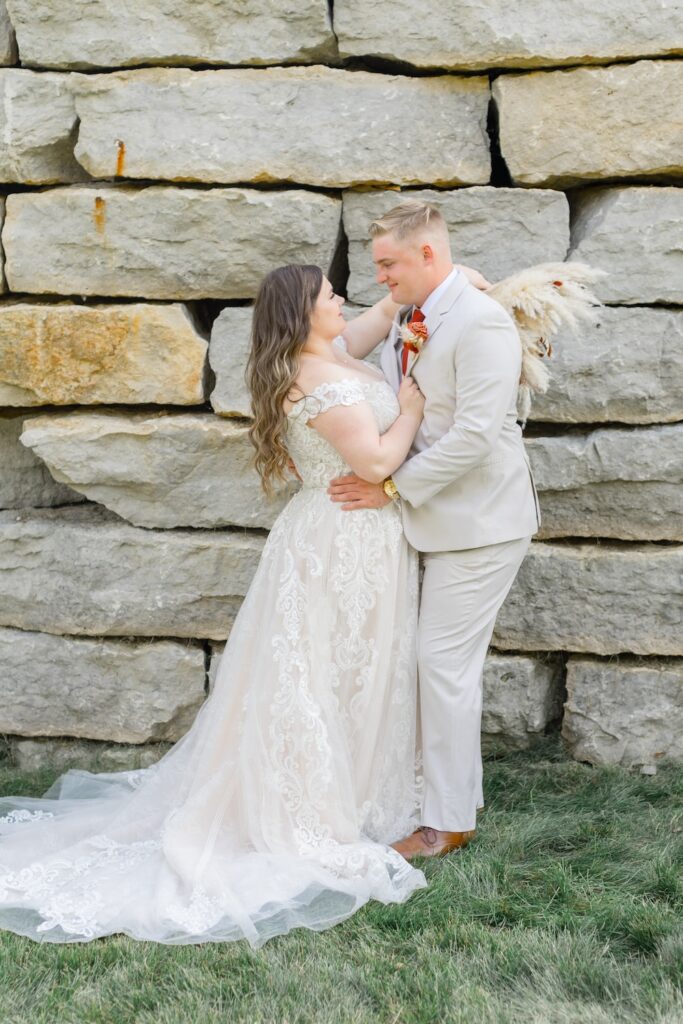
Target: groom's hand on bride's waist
(355, 493)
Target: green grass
(566, 910)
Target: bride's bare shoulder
(312, 373)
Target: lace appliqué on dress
(355, 577)
(15, 817)
(57, 892)
(326, 396)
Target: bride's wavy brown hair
(280, 326)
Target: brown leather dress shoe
(430, 842)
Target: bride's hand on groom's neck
(474, 277)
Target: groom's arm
(487, 368)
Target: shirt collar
(434, 296)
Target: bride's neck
(316, 345)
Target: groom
(467, 498)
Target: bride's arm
(474, 277)
(371, 455)
(350, 426)
(369, 328)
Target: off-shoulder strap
(326, 395)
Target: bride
(277, 808)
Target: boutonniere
(415, 335)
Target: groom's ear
(427, 251)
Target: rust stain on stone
(121, 157)
(99, 214)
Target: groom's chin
(403, 297)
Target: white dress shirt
(434, 296)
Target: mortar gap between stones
(206, 647)
(394, 67)
(554, 428)
(167, 63)
(578, 64)
(500, 174)
(339, 269)
(136, 184)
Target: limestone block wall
(156, 159)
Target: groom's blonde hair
(410, 219)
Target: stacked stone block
(157, 159)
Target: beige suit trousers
(462, 592)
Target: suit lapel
(437, 315)
(391, 353)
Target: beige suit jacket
(467, 481)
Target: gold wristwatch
(389, 488)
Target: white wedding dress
(275, 810)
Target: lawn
(566, 910)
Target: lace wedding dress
(275, 810)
